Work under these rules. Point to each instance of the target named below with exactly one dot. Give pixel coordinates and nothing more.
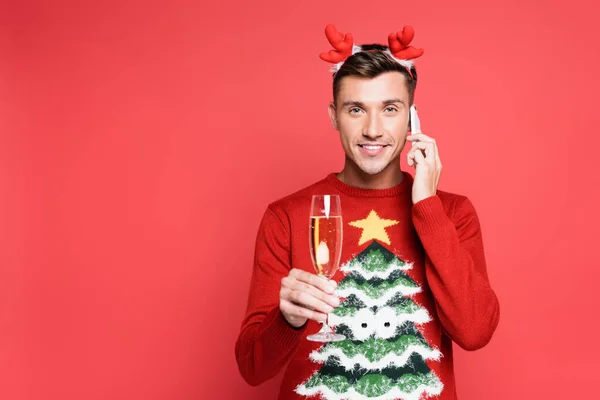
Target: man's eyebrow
(361, 104)
(392, 101)
(352, 103)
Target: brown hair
(370, 63)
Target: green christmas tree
(384, 354)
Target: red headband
(344, 47)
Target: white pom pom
(363, 324)
(386, 323)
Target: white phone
(415, 123)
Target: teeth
(372, 147)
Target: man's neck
(353, 176)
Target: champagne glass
(325, 238)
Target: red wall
(141, 142)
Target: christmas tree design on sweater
(384, 354)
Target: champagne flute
(325, 238)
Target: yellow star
(374, 228)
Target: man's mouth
(372, 149)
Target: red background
(142, 141)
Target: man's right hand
(305, 296)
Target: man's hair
(370, 63)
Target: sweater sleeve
(456, 271)
(266, 341)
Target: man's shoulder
(455, 203)
(450, 198)
(299, 199)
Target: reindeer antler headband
(344, 47)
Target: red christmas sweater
(412, 280)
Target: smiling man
(413, 278)
(372, 119)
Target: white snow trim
(356, 49)
(381, 301)
(405, 63)
(355, 266)
(336, 67)
(391, 359)
(394, 393)
(419, 317)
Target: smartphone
(415, 124)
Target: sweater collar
(403, 187)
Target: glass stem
(325, 324)
(325, 328)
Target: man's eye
(354, 110)
(391, 109)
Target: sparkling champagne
(325, 244)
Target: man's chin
(372, 169)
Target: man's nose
(373, 128)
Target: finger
(296, 281)
(305, 299)
(411, 157)
(294, 310)
(326, 285)
(288, 281)
(301, 275)
(284, 292)
(421, 145)
(429, 151)
(420, 137)
(317, 293)
(423, 148)
(420, 158)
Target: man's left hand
(424, 156)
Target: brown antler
(399, 44)
(342, 43)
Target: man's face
(372, 118)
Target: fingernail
(336, 301)
(329, 309)
(331, 288)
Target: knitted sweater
(413, 280)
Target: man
(414, 275)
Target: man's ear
(333, 115)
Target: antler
(342, 43)
(399, 44)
